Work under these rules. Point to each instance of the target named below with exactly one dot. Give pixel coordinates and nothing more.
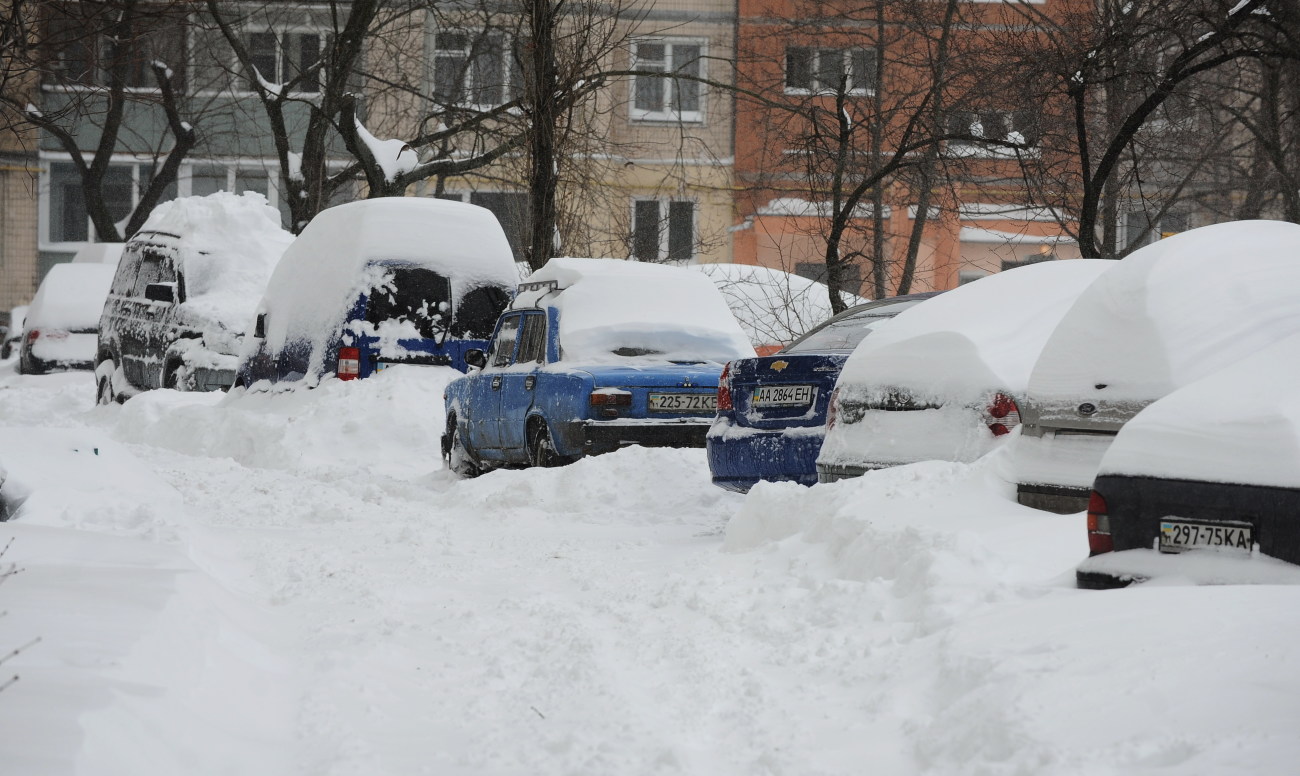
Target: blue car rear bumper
(738, 462)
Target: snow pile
(952, 353)
(71, 298)
(662, 312)
(391, 422)
(229, 245)
(774, 307)
(322, 597)
(1241, 425)
(330, 264)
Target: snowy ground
(293, 585)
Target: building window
(829, 70)
(478, 69)
(663, 231)
(1140, 230)
(1008, 126)
(280, 57)
(65, 218)
(656, 98)
(78, 58)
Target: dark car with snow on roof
(183, 292)
(591, 356)
(1204, 488)
(380, 282)
(772, 409)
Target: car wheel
(541, 451)
(459, 459)
(105, 391)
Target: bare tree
(1117, 70)
(101, 60)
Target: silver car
(1170, 313)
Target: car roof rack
(540, 285)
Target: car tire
(459, 459)
(541, 450)
(105, 392)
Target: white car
(62, 325)
(1167, 315)
(943, 379)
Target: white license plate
(782, 395)
(683, 402)
(1179, 535)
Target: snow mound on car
(1238, 425)
(230, 244)
(982, 336)
(324, 271)
(71, 297)
(1173, 312)
(671, 313)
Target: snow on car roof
(324, 269)
(772, 306)
(1240, 425)
(607, 305)
(1175, 311)
(980, 336)
(229, 245)
(71, 297)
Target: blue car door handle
(496, 383)
(529, 382)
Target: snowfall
(293, 584)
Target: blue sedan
(589, 358)
(772, 409)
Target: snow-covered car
(13, 332)
(397, 280)
(184, 290)
(772, 409)
(774, 307)
(1168, 314)
(1204, 484)
(593, 355)
(942, 381)
(61, 328)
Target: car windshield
(846, 333)
(415, 294)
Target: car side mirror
(259, 326)
(476, 357)
(161, 292)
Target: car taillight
(32, 335)
(349, 363)
(1099, 538)
(724, 388)
(1003, 414)
(611, 399)
(832, 409)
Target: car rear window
(414, 294)
(478, 310)
(846, 333)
